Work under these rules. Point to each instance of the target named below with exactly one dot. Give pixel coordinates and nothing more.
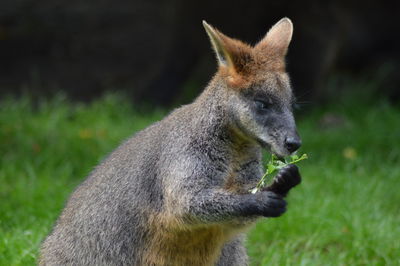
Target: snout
(292, 143)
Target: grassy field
(346, 211)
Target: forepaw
(287, 178)
(271, 204)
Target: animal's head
(259, 98)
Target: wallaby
(177, 192)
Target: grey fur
(163, 197)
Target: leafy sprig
(274, 165)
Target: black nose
(292, 144)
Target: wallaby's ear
(219, 45)
(278, 37)
(231, 53)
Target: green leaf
(271, 168)
(276, 164)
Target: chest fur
(242, 175)
(197, 246)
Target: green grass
(346, 211)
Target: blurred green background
(76, 79)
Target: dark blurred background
(158, 52)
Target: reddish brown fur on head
(241, 64)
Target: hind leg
(234, 253)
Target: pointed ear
(278, 37)
(219, 45)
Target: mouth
(272, 149)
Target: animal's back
(111, 207)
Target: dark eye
(261, 105)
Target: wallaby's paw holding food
(271, 203)
(267, 204)
(287, 178)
